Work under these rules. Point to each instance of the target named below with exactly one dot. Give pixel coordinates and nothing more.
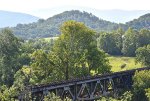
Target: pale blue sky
(38, 7)
(31, 5)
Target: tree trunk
(67, 71)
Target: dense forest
(141, 22)
(79, 51)
(121, 42)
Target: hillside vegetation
(141, 22)
(50, 27)
(123, 63)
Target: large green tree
(141, 82)
(130, 42)
(118, 34)
(107, 42)
(144, 37)
(41, 67)
(9, 51)
(143, 55)
(76, 51)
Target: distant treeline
(125, 43)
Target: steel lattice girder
(88, 88)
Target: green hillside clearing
(123, 63)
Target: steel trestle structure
(83, 89)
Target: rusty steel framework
(83, 89)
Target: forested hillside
(50, 27)
(141, 22)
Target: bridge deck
(85, 88)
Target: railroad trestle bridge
(83, 89)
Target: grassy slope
(117, 62)
(49, 38)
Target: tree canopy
(143, 55)
(77, 51)
(9, 52)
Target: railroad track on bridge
(83, 89)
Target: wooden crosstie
(83, 89)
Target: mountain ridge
(10, 19)
(50, 27)
(113, 15)
(142, 22)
